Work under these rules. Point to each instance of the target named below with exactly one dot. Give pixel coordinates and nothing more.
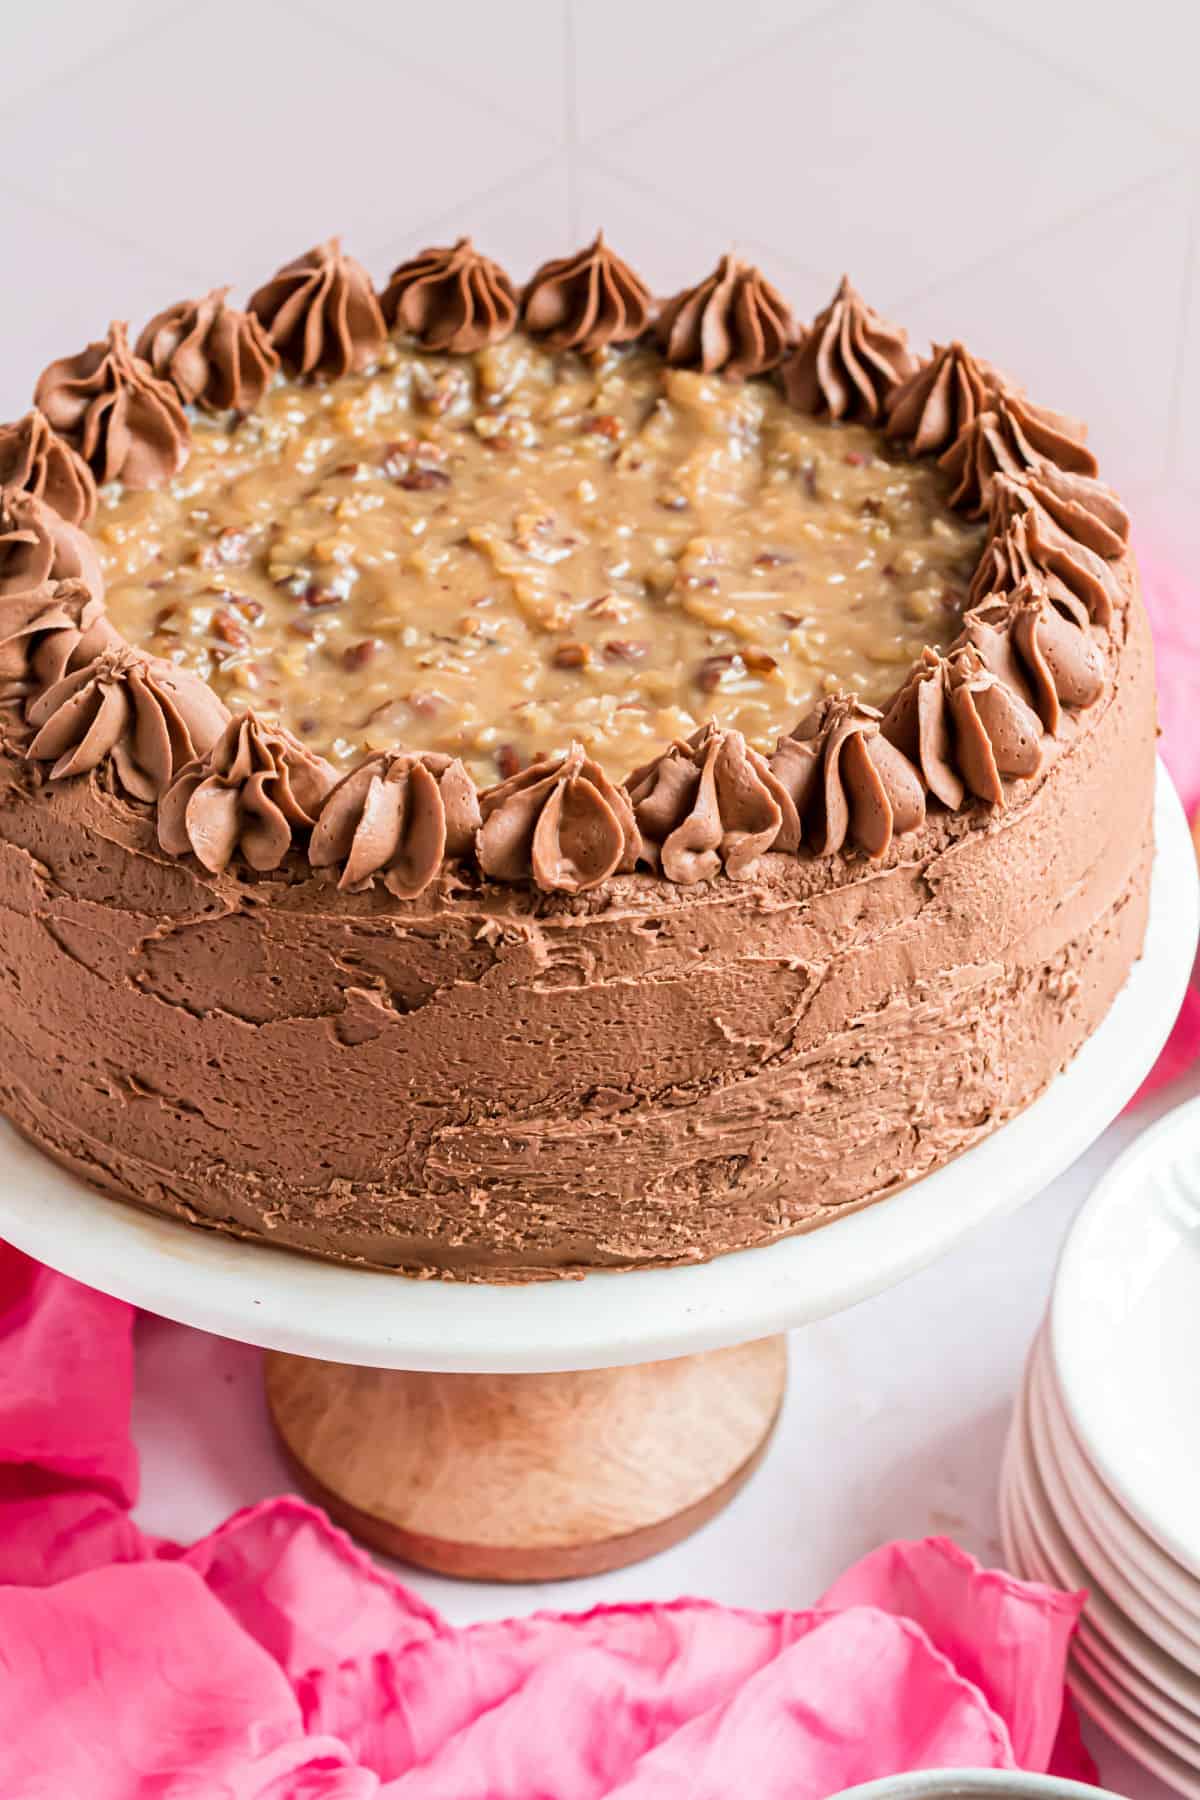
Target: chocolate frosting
(126, 424)
(561, 822)
(1024, 542)
(919, 723)
(1009, 438)
(35, 458)
(38, 545)
(49, 631)
(399, 815)
(321, 314)
(964, 727)
(706, 804)
(248, 793)
(1083, 507)
(148, 717)
(213, 355)
(997, 733)
(1060, 663)
(586, 301)
(733, 320)
(940, 399)
(850, 363)
(451, 298)
(845, 782)
(988, 629)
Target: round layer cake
(504, 782)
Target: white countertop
(893, 1427)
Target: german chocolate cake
(506, 781)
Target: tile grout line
(1084, 83)
(118, 239)
(571, 120)
(319, 21)
(835, 13)
(644, 190)
(477, 199)
(914, 296)
(103, 53)
(1187, 291)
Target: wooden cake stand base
(528, 1477)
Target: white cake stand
(492, 1454)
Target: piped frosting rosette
(1026, 541)
(587, 301)
(248, 794)
(36, 460)
(965, 728)
(38, 545)
(126, 424)
(850, 363)
(213, 355)
(398, 816)
(560, 823)
(734, 321)
(707, 804)
(846, 783)
(1034, 651)
(48, 632)
(144, 718)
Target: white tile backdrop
(1021, 173)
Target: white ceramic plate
(1160, 1575)
(1152, 1651)
(1125, 1331)
(1111, 1671)
(1152, 1604)
(1159, 1684)
(1181, 1771)
(1183, 1744)
(295, 1303)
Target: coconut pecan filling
(494, 554)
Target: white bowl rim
(967, 1783)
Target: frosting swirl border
(1074, 523)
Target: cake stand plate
(563, 1446)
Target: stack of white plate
(1101, 1481)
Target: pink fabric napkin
(1174, 607)
(272, 1660)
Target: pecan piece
(710, 672)
(357, 656)
(230, 629)
(421, 480)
